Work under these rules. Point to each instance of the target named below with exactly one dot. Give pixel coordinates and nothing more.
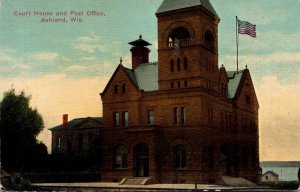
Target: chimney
(140, 52)
(65, 120)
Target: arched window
(181, 34)
(179, 156)
(209, 36)
(178, 64)
(172, 65)
(209, 39)
(120, 157)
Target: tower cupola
(140, 52)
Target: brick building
(182, 119)
(77, 136)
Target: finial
(246, 66)
(121, 60)
(140, 36)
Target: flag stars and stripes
(244, 27)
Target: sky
(65, 65)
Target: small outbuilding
(270, 176)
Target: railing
(182, 42)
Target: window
(209, 36)
(120, 157)
(178, 84)
(185, 64)
(125, 119)
(185, 83)
(116, 90)
(175, 114)
(58, 144)
(178, 64)
(210, 116)
(172, 65)
(116, 119)
(172, 85)
(150, 117)
(179, 156)
(183, 115)
(181, 34)
(124, 88)
(248, 99)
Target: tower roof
(171, 5)
(139, 42)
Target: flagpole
(237, 45)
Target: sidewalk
(101, 186)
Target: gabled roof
(127, 71)
(234, 81)
(81, 123)
(144, 77)
(271, 172)
(171, 5)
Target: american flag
(177, 49)
(244, 27)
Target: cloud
(5, 55)
(75, 68)
(278, 58)
(21, 66)
(88, 58)
(94, 42)
(45, 56)
(6, 58)
(90, 43)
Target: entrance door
(225, 160)
(142, 160)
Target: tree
(20, 124)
